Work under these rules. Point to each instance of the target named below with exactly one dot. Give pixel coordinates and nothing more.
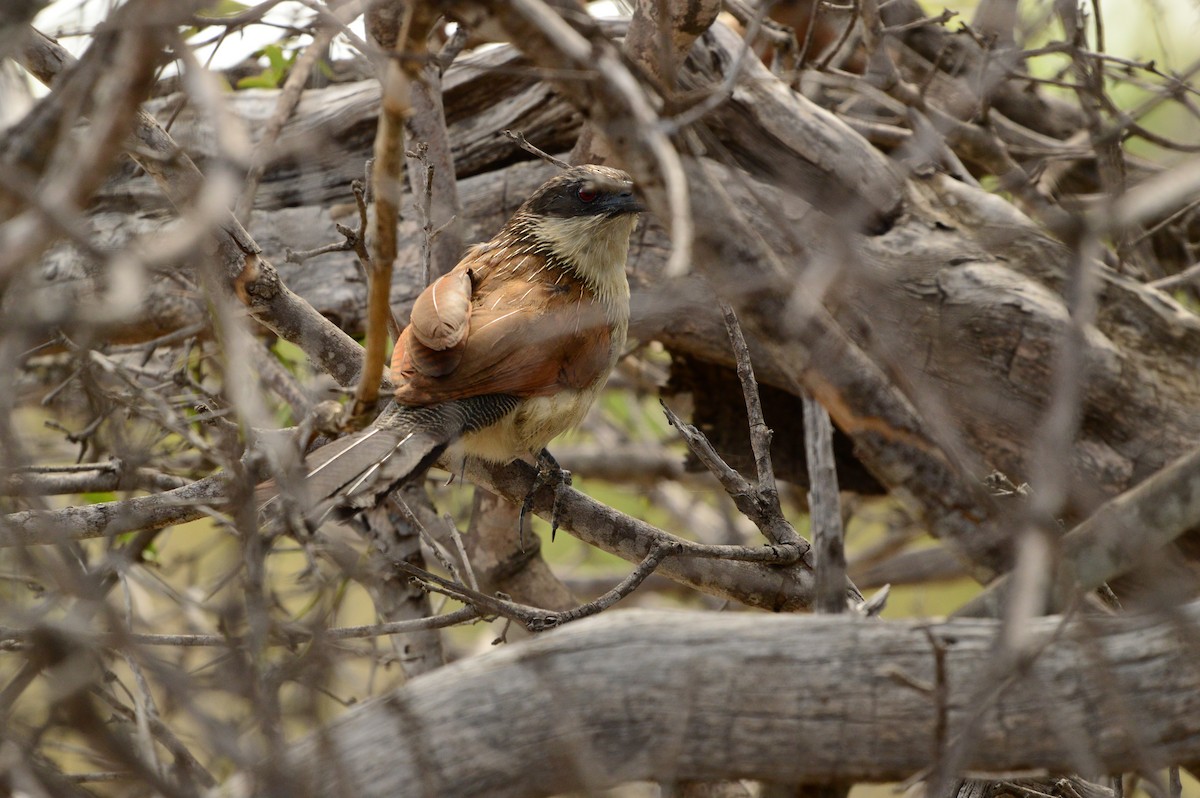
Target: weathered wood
(324, 146)
(647, 695)
(962, 278)
(958, 298)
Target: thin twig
(420, 153)
(760, 433)
(519, 138)
(535, 619)
(285, 106)
(1189, 275)
(842, 39)
(387, 182)
(824, 508)
(290, 637)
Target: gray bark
(668, 696)
(961, 295)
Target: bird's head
(584, 217)
(585, 191)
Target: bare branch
(524, 144)
(587, 667)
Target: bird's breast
(539, 419)
(528, 429)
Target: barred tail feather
(356, 472)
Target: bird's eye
(586, 195)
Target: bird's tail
(359, 470)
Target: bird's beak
(623, 202)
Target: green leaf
(225, 8)
(279, 62)
(263, 80)
(276, 58)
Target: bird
(504, 352)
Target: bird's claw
(549, 472)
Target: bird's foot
(549, 472)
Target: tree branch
(666, 676)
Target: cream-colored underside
(597, 247)
(527, 429)
(538, 420)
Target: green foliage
(221, 8)
(291, 356)
(278, 64)
(1188, 300)
(225, 8)
(150, 553)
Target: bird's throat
(595, 248)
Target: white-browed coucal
(504, 352)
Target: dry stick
(289, 637)
(420, 153)
(832, 584)
(522, 142)
(760, 433)
(1118, 536)
(274, 305)
(460, 549)
(534, 619)
(285, 105)
(353, 240)
(412, 515)
(387, 186)
(824, 508)
(752, 501)
(1189, 275)
(86, 479)
(427, 125)
(43, 527)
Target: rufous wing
(433, 342)
(525, 338)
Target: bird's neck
(595, 248)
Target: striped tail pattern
(355, 472)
